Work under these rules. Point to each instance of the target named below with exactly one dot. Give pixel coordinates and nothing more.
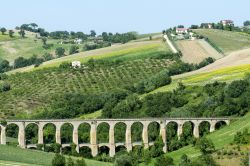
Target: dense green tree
(123, 160)
(11, 33)
(194, 27)
(34, 25)
(3, 30)
(164, 161)
(22, 33)
(92, 33)
(180, 26)
(73, 49)
(58, 160)
(242, 137)
(4, 66)
(70, 162)
(245, 161)
(246, 23)
(47, 56)
(185, 161)
(44, 40)
(236, 88)
(206, 146)
(81, 162)
(204, 160)
(60, 51)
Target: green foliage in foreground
(35, 157)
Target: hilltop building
(181, 30)
(227, 22)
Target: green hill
(12, 48)
(129, 49)
(223, 75)
(27, 157)
(227, 41)
(33, 90)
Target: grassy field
(129, 50)
(227, 41)
(16, 155)
(6, 37)
(27, 47)
(226, 75)
(32, 90)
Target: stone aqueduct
(94, 145)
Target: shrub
(236, 88)
(40, 146)
(56, 147)
(70, 162)
(242, 137)
(164, 161)
(60, 51)
(5, 87)
(47, 46)
(3, 122)
(73, 49)
(65, 65)
(3, 76)
(206, 146)
(81, 162)
(58, 160)
(156, 81)
(123, 160)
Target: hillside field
(10, 50)
(195, 51)
(130, 50)
(227, 41)
(25, 157)
(224, 75)
(31, 90)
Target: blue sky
(120, 15)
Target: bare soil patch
(197, 50)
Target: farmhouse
(78, 41)
(227, 22)
(207, 25)
(76, 64)
(181, 30)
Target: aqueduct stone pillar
(111, 139)
(3, 135)
(58, 132)
(40, 133)
(93, 139)
(75, 136)
(196, 130)
(145, 135)
(128, 137)
(163, 135)
(179, 129)
(212, 126)
(21, 134)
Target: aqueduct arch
(111, 144)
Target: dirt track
(197, 50)
(234, 59)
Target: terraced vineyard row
(31, 90)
